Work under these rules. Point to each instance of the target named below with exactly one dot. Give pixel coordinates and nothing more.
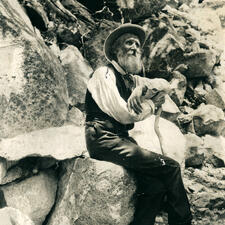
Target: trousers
(158, 177)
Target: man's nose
(134, 46)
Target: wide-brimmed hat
(122, 29)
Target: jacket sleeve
(103, 89)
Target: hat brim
(123, 29)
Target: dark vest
(93, 112)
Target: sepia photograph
(112, 112)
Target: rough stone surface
(94, 192)
(216, 97)
(94, 46)
(194, 144)
(170, 111)
(209, 148)
(76, 117)
(206, 119)
(215, 146)
(207, 199)
(179, 86)
(12, 216)
(175, 40)
(26, 167)
(195, 161)
(34, 196)
(77, 74)
(57, 142)
(33, 87)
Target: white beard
(130, 63)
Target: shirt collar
(118, 67)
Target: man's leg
(147, 208)
(124, 151)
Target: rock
(89, 184)
(217, 162)
(195, 96)
(207, 119)
(37, 14)
(3, 168)
(207, 186)
(93, 47)
(200, 64)
(216, 97)
(68, 36)
(12, 216)
(195, 161)
(134, 10)
(176, 39)
(209, 200)
(57, 142)
(170, 111)
(77, 73)
(34, 196)
(200, 90)
(145, 135)
(214, 128)
(215, 148)
(84, 17)
(178, 84)
(15, 173)
(76, 116)
(33, 91)
(194, 144)
(209, 20)
(26, 167)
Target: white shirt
(103, 89)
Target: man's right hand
(135, 99)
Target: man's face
(128, 53)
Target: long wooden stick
(157, 131)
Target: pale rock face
(33, 90)
(12, 216)
(216, 97)
(215, 146)
(173, 139)
(93, 192)
(57, 142)
(208, 119)
(33, 196)
(194, 144)
(77, 73)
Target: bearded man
(113, 104)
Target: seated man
(113, 103)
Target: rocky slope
(48, 49)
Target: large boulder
(207, 200)
(215, 147)
(33, 89)
(12, 216)
(216, 97)
(77, 73)
(33, 196)
(206, 119)
(144, 133)
(56, 142)
(93, 192)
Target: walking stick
(157, 131)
